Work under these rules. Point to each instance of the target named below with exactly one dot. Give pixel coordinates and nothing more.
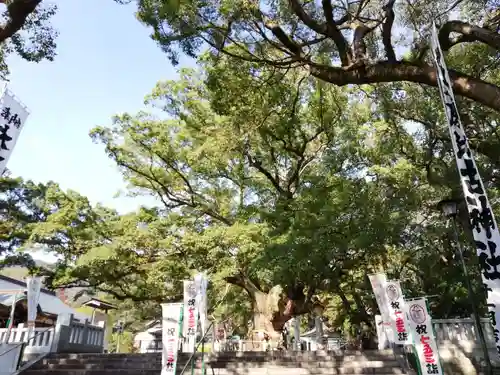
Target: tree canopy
(273, 173)
(285, 188)
(339, 41)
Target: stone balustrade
(67, 336)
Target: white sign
(395, 304)
(201, 283)
(378, 282)
(425, 343)
(33, 285)
(171, 322)
(190, 314)
(482, 219)
(13, 115)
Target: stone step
(226, 358)
(285, 361)
(263, 371)
(290, 354)
(75, 364)
(216, 365)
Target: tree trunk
(262, 317)
(270, 312)
(273, 309)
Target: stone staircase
(230, 363)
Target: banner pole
(11, 319)
(181, 318)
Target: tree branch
(387, 30)
(18, 11)
(385, 71)
(285, 39)
(358, 42)
(330, 28)
(241, 280)
(257, 164)
(469, 33)
(306, 18)
(333, 32)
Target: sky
(106, 64)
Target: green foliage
(27, 31)
(340, 41)
(22, 205)
(125, 341)
(273, 181)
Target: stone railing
(243, 346)
(462, 330)
(67, 336)
(41, 339)
(86, 337)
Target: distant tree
(20, 208)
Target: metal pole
(477, 319)
(203, 371)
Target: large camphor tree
(339, 41)
(287, 188)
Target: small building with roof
(50, 306)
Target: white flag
(378, 282)
(420, 323)
(190, 315)
(33, 285)
(13, 115)
(201, 282)
(482, 220)
(171, 314)
(396, 306)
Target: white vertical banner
(378, 282)
(190, 315)
(482, 220)
(33, 286)
(396, 306)
(201, 283)
(420, 323)
(171, 326)
(13, 115)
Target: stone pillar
(296, 333)
(103, 340)
(62, 331)
(319, 332)
(85, 334)
(383, 342)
